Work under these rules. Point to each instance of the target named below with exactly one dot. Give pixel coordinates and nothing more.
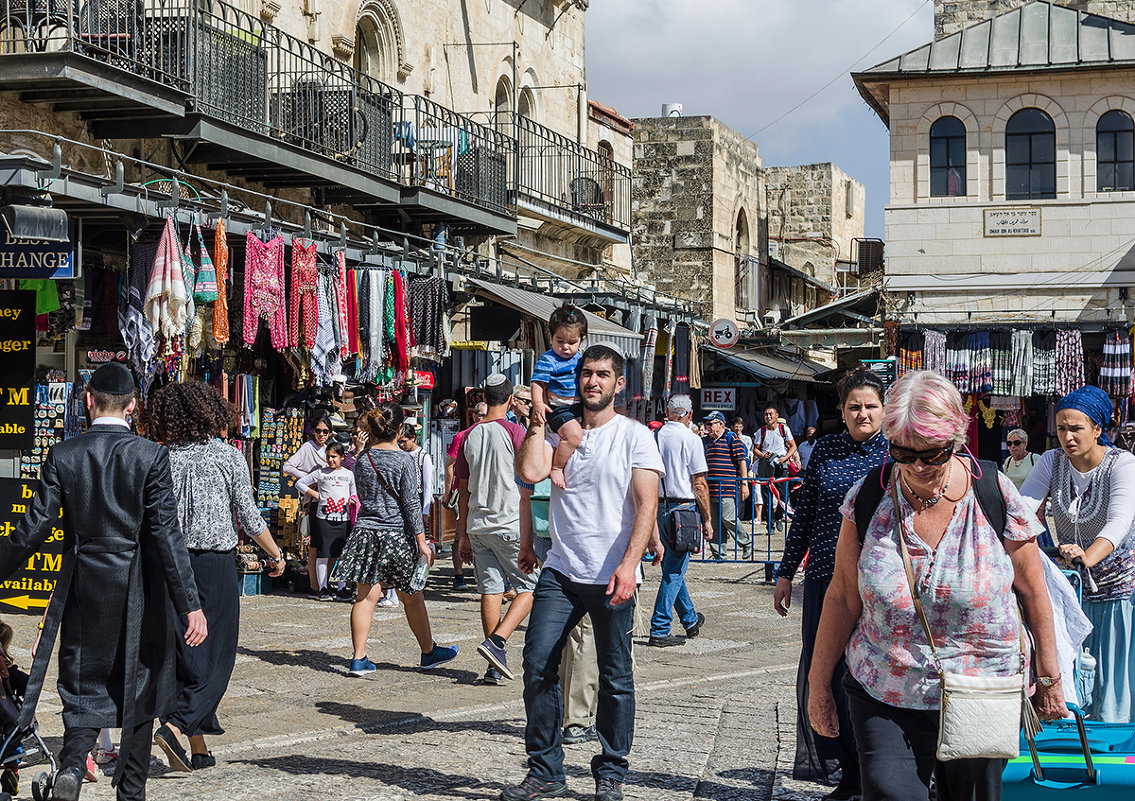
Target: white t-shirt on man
(590, 522)
(683, 455)
(774, 444)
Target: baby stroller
(1074, 756)
(23, 748)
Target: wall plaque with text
(1012, 222)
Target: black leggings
(896, 755)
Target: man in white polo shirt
(600, 526)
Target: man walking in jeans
(684, 487)
(600, 527)
(725, 456)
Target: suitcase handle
(1085, 748)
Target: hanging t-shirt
(591, 520)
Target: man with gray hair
(684, 487)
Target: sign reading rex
(718, 399)
(17, 370)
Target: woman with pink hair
(969, 578)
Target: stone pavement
(715, 716)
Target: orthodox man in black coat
(124, 561)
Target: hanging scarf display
(221, 265)
(695, 363)
(1115, 372)
(376, 353)
(401, 323)
(353, 311)
(135, 329)
(1022, 345)
(1044, 363)
(325, 360)
(957, 360)
(301, 297)
(264, 290)
(670, 329)
(1001, 346)
(934, 351)
(649, 340)
(910, 352)
(342, 330)
(1069, 361)
(167, 302)
(205, 285)
(429, 306)
(980, 363)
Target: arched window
(502, 104)
(745, 285)
(368, 48)
(1115, 153)
(526, 104)
(1030, 156)
(947, 157)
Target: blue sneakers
(362, 667)
(439, 655)
(496, 656)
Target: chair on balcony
(111, 28)
(587, 197)
(29, 25)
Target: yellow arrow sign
(25, 602)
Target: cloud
(747, 62)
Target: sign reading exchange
(17, 370)
(1012, 222)
(35, 258)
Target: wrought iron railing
(234, 67)
(583, 183)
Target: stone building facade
(967, 242)
(699, 222)
(950, 16)
(815, 214)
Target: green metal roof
(1039, 35)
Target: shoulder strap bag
(980, 717)
(386, 485)
(684, 533)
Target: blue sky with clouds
(747, 62)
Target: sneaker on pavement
(105, 756)
(695, 629)
(386, 603)
(532, 789)
(665, 642)
(315, 595)
(492, 676)
(608, 790)
(362, 667)
(439, 656)
(92, 773)
(496, 657)
(459, 583)
(345, 595)
(578, 734)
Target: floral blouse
(966, 584)
(214, 493)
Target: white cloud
(746, 62)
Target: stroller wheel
(41, 786)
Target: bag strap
(867, 501)
(382, 479)
(665, 494)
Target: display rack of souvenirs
(51, 404)
(281, 435)
(287, 524)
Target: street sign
(36, 258)
(27, 591)
(718, 399)
(724, 333)
(17, 370)
(885, 368)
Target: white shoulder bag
(980, 716)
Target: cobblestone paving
(714, 715)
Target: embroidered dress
(966, 585)
(934, 351)
(1069, 361)
(264, 290)
(221, 264)
(957, 361)
(1022, 364)
(302, 295)
(1044, 363)
(910, 352)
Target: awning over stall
(772, 368)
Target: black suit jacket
(124, 562)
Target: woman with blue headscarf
(1092, 487)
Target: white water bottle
(421, 571)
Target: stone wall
(692, 178)
(950, 16)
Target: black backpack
(986, 486)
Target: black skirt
(203, 672)
(328, 537)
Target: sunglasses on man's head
(933, 457)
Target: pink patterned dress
(966, 584)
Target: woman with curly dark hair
(388, 539)
(211, 482)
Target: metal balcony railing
(563, 173)
(238, 69)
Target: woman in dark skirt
(387, 541)
(838, 461)
(210, 480)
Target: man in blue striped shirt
(725, 456)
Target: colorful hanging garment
(342, 330)
(1069, 361)
(1022, 345)
(353, 310)
(934, 351)
(132, 323)
(325, 361)
(1001, 345)
(957, 360)
(221, 263)
(1044, 363)
(302, 294)
(205, 286)
(401, 323)
(167, 302)
(429, 305)
(910, 352)
(264, 290)
(376, 289)
(668, 384)
(649, 341)
(1115, 372)
(980, 363)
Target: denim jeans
(672, 592)
(558, 605)
(723, 519)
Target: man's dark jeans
(557, 606)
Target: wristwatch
(1047, 681)
(280, 558)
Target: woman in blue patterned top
(838, 461)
